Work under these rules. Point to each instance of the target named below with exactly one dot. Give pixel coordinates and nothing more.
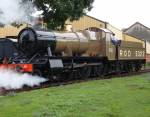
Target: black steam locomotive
(71, 54)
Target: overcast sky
(122, 13)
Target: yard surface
(118, 97)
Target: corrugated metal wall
(86, 22)
(118, 33)
(10, 30)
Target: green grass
(120, 97)
(147, 65)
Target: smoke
(16, 11)
(13, 80)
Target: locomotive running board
(85, 64)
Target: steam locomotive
(71, 54)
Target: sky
(122, 13)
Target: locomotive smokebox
(32, 41)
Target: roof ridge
(134, 25)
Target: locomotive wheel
(37, 72)
(138, 67)
(84, 72)
(73, 74)
(126, 67)
(130, 69)
(106, 69)
(98, 70)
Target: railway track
(65, 82)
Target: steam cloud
(13, 80)
(14, 11)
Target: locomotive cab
(106, 43)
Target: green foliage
(120, 97)
(56, 12)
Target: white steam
(13, 80)
(14, 11)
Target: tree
(56, 12)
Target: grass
(120, 97)
(147, 65)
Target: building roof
(138, 30)
(136, 23)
